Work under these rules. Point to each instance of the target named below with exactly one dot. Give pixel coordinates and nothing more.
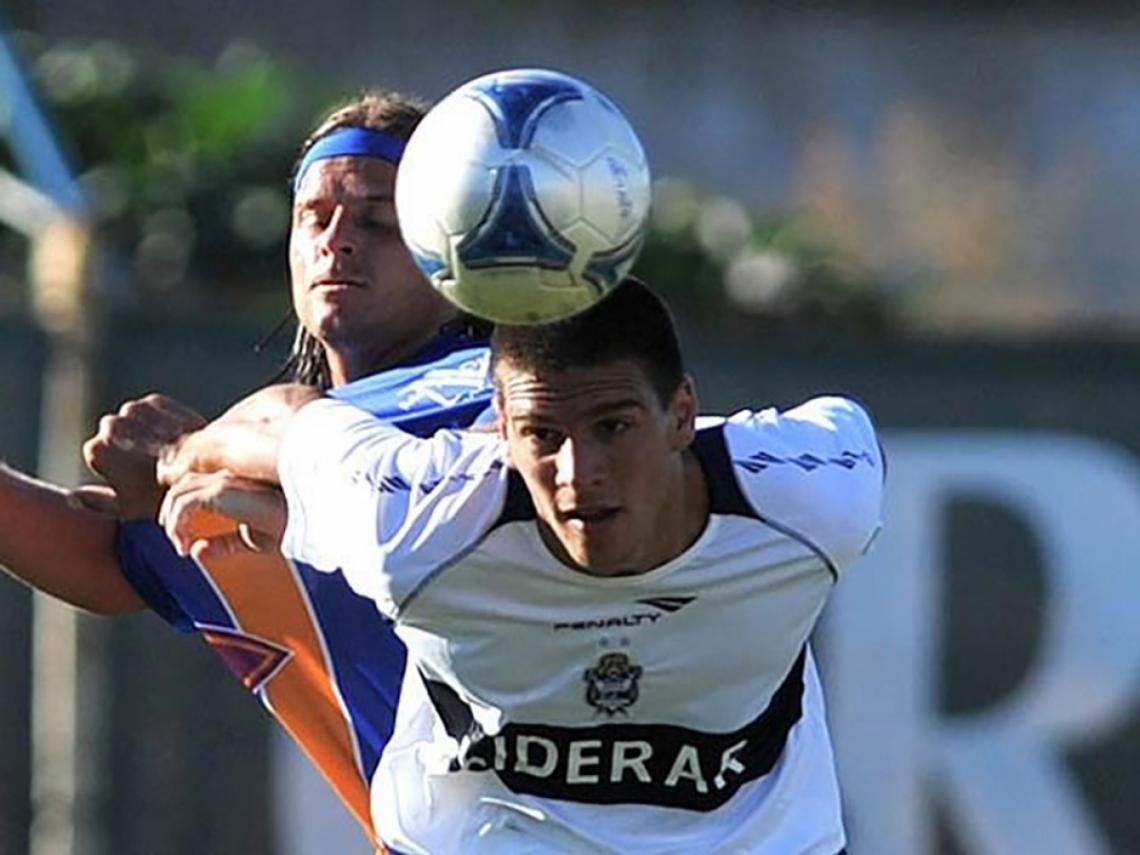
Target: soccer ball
(524, 196)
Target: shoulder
(384, 506)
(818, 421)
(815, 469)
(822, 432)
(333, 438)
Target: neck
(689, 509)
(347, 364)
(684, 514)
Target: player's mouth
(333, 284)
(589, 517)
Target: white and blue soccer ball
(524, 196)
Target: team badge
(611, 685)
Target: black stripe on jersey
(667, 604)
(726, 497)
(651, 764)
(456, 715)
(518, 505)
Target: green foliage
(185, 165)
(186, 169)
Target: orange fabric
(267, 600)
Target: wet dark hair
(631, 322)
(378, 109)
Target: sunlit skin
(616, 488)
(355, 286)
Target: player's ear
(683, 413)
(500, 419)
(501, 429)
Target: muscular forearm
(244, 441)
(61, 549)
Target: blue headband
(350, 142)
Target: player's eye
(614, 426)
(541, 436)
(311, 218)
(378, 220)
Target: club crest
(611, 685)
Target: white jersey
(673, 711)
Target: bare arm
(244, 441)
(126, 448)
(52, 543)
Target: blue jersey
(321, 658)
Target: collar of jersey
(456, 335)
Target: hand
(244, 440)
(129, 443)
(200, 511)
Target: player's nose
(339, 237)
(579, 463)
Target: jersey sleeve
(156, 572)
(815, 471)
(386, 507)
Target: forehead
(572, 392)
(347, 177)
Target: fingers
(220, 506)
(175, 411)
(219, 546)
(155, 419)
(241, 542)
(129, 472)
(92, 453)
(142, 427)
(190, 495)
(260, 510)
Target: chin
(329, 323)
(597, 563)
(584, 560)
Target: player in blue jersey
(371, 331)
(606, 604)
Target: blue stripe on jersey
(366, 656)
(172, 586)
(450, 391)
(445, 385)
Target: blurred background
(932, 209)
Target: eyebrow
(616, 407)
(601, 409)
(315, 201)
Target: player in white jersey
(607, 604)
